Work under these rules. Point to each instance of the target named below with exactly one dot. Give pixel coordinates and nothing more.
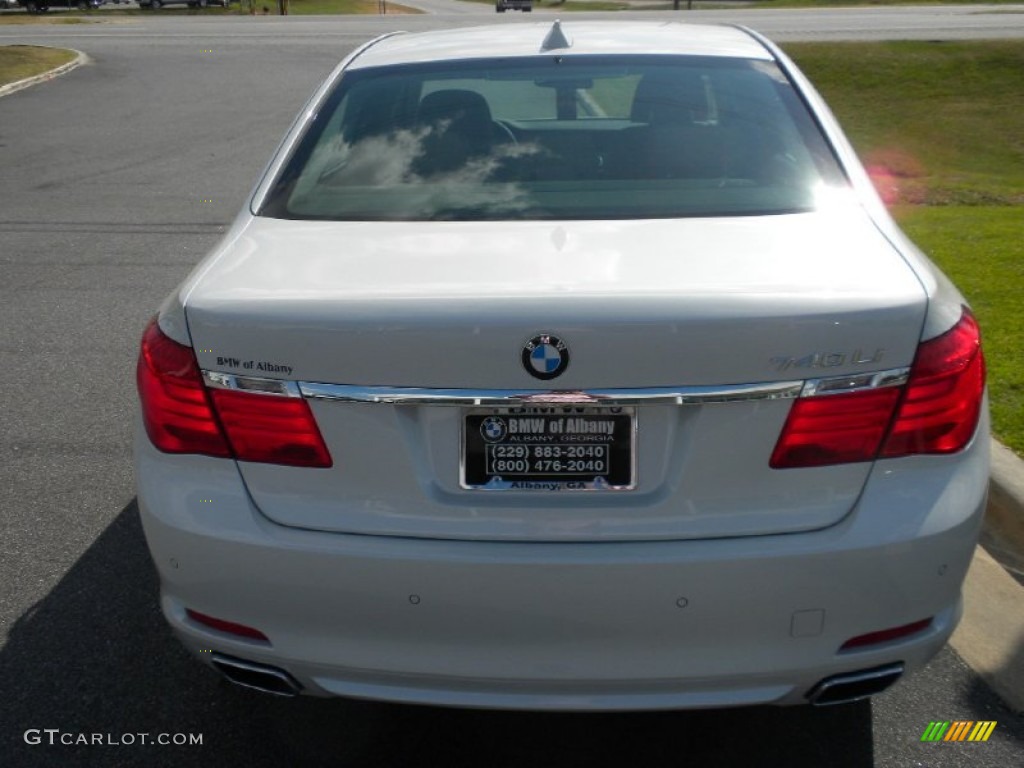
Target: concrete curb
(1003, 536)
(19, 85)
(990, 637)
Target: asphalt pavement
(114, 180)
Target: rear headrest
(464, 107)
(670, 99)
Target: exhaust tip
(854, 686)
(260, 677)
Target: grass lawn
(845, 3)
(573, 5)
(944, 119)
(668, 5)
(20, 61)
(295, 8)
(326, 7)
(982, 249)
(944, 123)
(35, 18)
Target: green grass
(20, 61)
(295, 8)
(846, 3)
(34, 18)
(945, 121)
(569, 5)
(327, 7)
(945, 118)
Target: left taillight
(176, 407)
(271, 429)
(182, 415)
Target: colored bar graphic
(959, 730)
(982, 731)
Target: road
(114, 180)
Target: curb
(28, 82)
(990, 637)
(1003, 535)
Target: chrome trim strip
(506, 398)
(278, 387)
(511, 398)
(844, 385)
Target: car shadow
(94, 657)
(981, 698)
(1009, 728)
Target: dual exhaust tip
(854, 686)
(259, 677)
(838, 689)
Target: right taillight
(935, 411)
(835, 429)
(942, 400)
(182, 415)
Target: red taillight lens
(181, 417)
(222, 625)
(936, 411)
(272, 429)
(940, 409)
(835, 429)
(176, 410)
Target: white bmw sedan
(564, 367)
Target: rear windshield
(574, 137)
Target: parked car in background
(572, 366)
(41, 6)
(513, 5)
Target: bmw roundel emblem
(545, 356)
(493, 429)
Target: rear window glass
(557, 138)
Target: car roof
(585, 38)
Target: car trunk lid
(750, 305)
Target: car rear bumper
(637, 625)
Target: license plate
(549, 449)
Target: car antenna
(555, 38)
